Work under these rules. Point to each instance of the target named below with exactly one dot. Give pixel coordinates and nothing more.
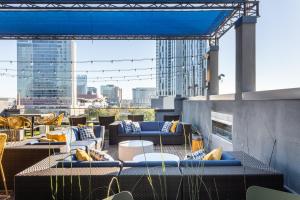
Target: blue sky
(278, 53)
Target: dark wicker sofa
(144, 180)
(151, 131)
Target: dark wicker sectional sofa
(144, 180)
(151, 132)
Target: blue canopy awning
(154, 24)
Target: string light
(96, 61)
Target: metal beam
(122, 5)
(101, 37)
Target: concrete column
(213, 70)
(245, 55)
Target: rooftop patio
(265, 126)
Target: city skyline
(273, 58)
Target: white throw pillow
(127, 124)
(197, 155)
(136, 128)
(166, 127)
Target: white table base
(128, 149)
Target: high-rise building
(81, 84)
(112, 93)
(46, 75)
(141, 97)
(181, 67)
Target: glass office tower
(181, 67)
(46, 74)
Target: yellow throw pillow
(81, 155)
(57, 137)
(174, 126)
(214, 154)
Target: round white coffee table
(129, 149)
(156, 157)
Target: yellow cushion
(44, 139)
(57, 137)
(81, 155)
(174, 126)
(214, 154)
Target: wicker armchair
(43, 120)
(3, 122)
(16, 123)
(56, 121)
(3, 138)
(136, 118)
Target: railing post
(245, 55)
(213, 70)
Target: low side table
(128, 149)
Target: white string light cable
(63, 78)
(97, 61)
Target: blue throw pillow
(166, 127)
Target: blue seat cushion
(121, 129)
(150, 126)
(179, 128)
(150, 164)
(199, 163)
(152, 133)
(96, 140)
(226, 160)
(87, 143)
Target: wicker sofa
(145, 180)
(75, 142)
(151, 131)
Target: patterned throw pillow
(166, 127)
(197, 155)
(136, 128)
(98, 155)
(127, 126)
(86, 133)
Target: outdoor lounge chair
(77, 120)
(125, 195)
(136, 118)
(261, 193)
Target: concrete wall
(159, 114)
(258, 128)
(163, 102)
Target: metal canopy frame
(239, 8)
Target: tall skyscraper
(141, 97)
(181, 69)
(81, 84)
(112, 93)
(46, 75)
